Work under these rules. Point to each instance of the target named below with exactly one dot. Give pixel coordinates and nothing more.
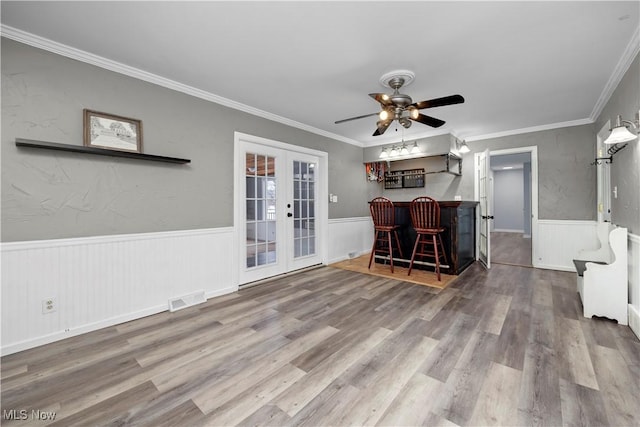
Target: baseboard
(72, 332)
(506, 230)
(555, 267)
(106, 323)
(351, 255)
(634, 320)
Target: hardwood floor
(510, 248)
(333, 347)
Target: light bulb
(384, 115)
(414, 113)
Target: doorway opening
(510, 177)
(506, 185)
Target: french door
(280, 219)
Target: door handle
(289, 214)
(487, 216)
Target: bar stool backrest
(425, 213)
(382, 212)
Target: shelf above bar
(98, 151)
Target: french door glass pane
(303, 209)
(261, 184)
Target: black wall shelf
(98, 151)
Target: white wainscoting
(559, 241)
(97, 282)
(634, 283)
(349, 237)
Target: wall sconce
(462, 147)
(620, 134)
(415, 149)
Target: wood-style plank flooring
(510, 248)
(334, 347)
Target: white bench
(603, 275)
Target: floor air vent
(186, 301)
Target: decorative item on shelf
(620, 134)
(375, 171)
(112, 132)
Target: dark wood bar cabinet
(459, 237)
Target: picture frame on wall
(112, 132)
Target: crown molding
(107, 64)
(629, 54)
(549, 126)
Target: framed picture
(112, 132)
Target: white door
(278, 223)
(484, 187)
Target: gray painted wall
(625, 169)
(49, 194)
(508, 200)
(566, 180)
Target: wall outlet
(49, 305)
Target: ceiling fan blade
(429, 121)
(382, 98)
(382, 127)
(439, 102)
(356, 118)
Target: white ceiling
(519, 65)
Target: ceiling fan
(401, 107)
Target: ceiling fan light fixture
(414, 113)
(384, 115)
(405, 122)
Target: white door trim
(603, 175)
(238, 202)
(533, 150)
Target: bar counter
(458, 218)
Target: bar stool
(425, 217)
(383, 215)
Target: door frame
(322, 210)
(603, 176)
(533, 151)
